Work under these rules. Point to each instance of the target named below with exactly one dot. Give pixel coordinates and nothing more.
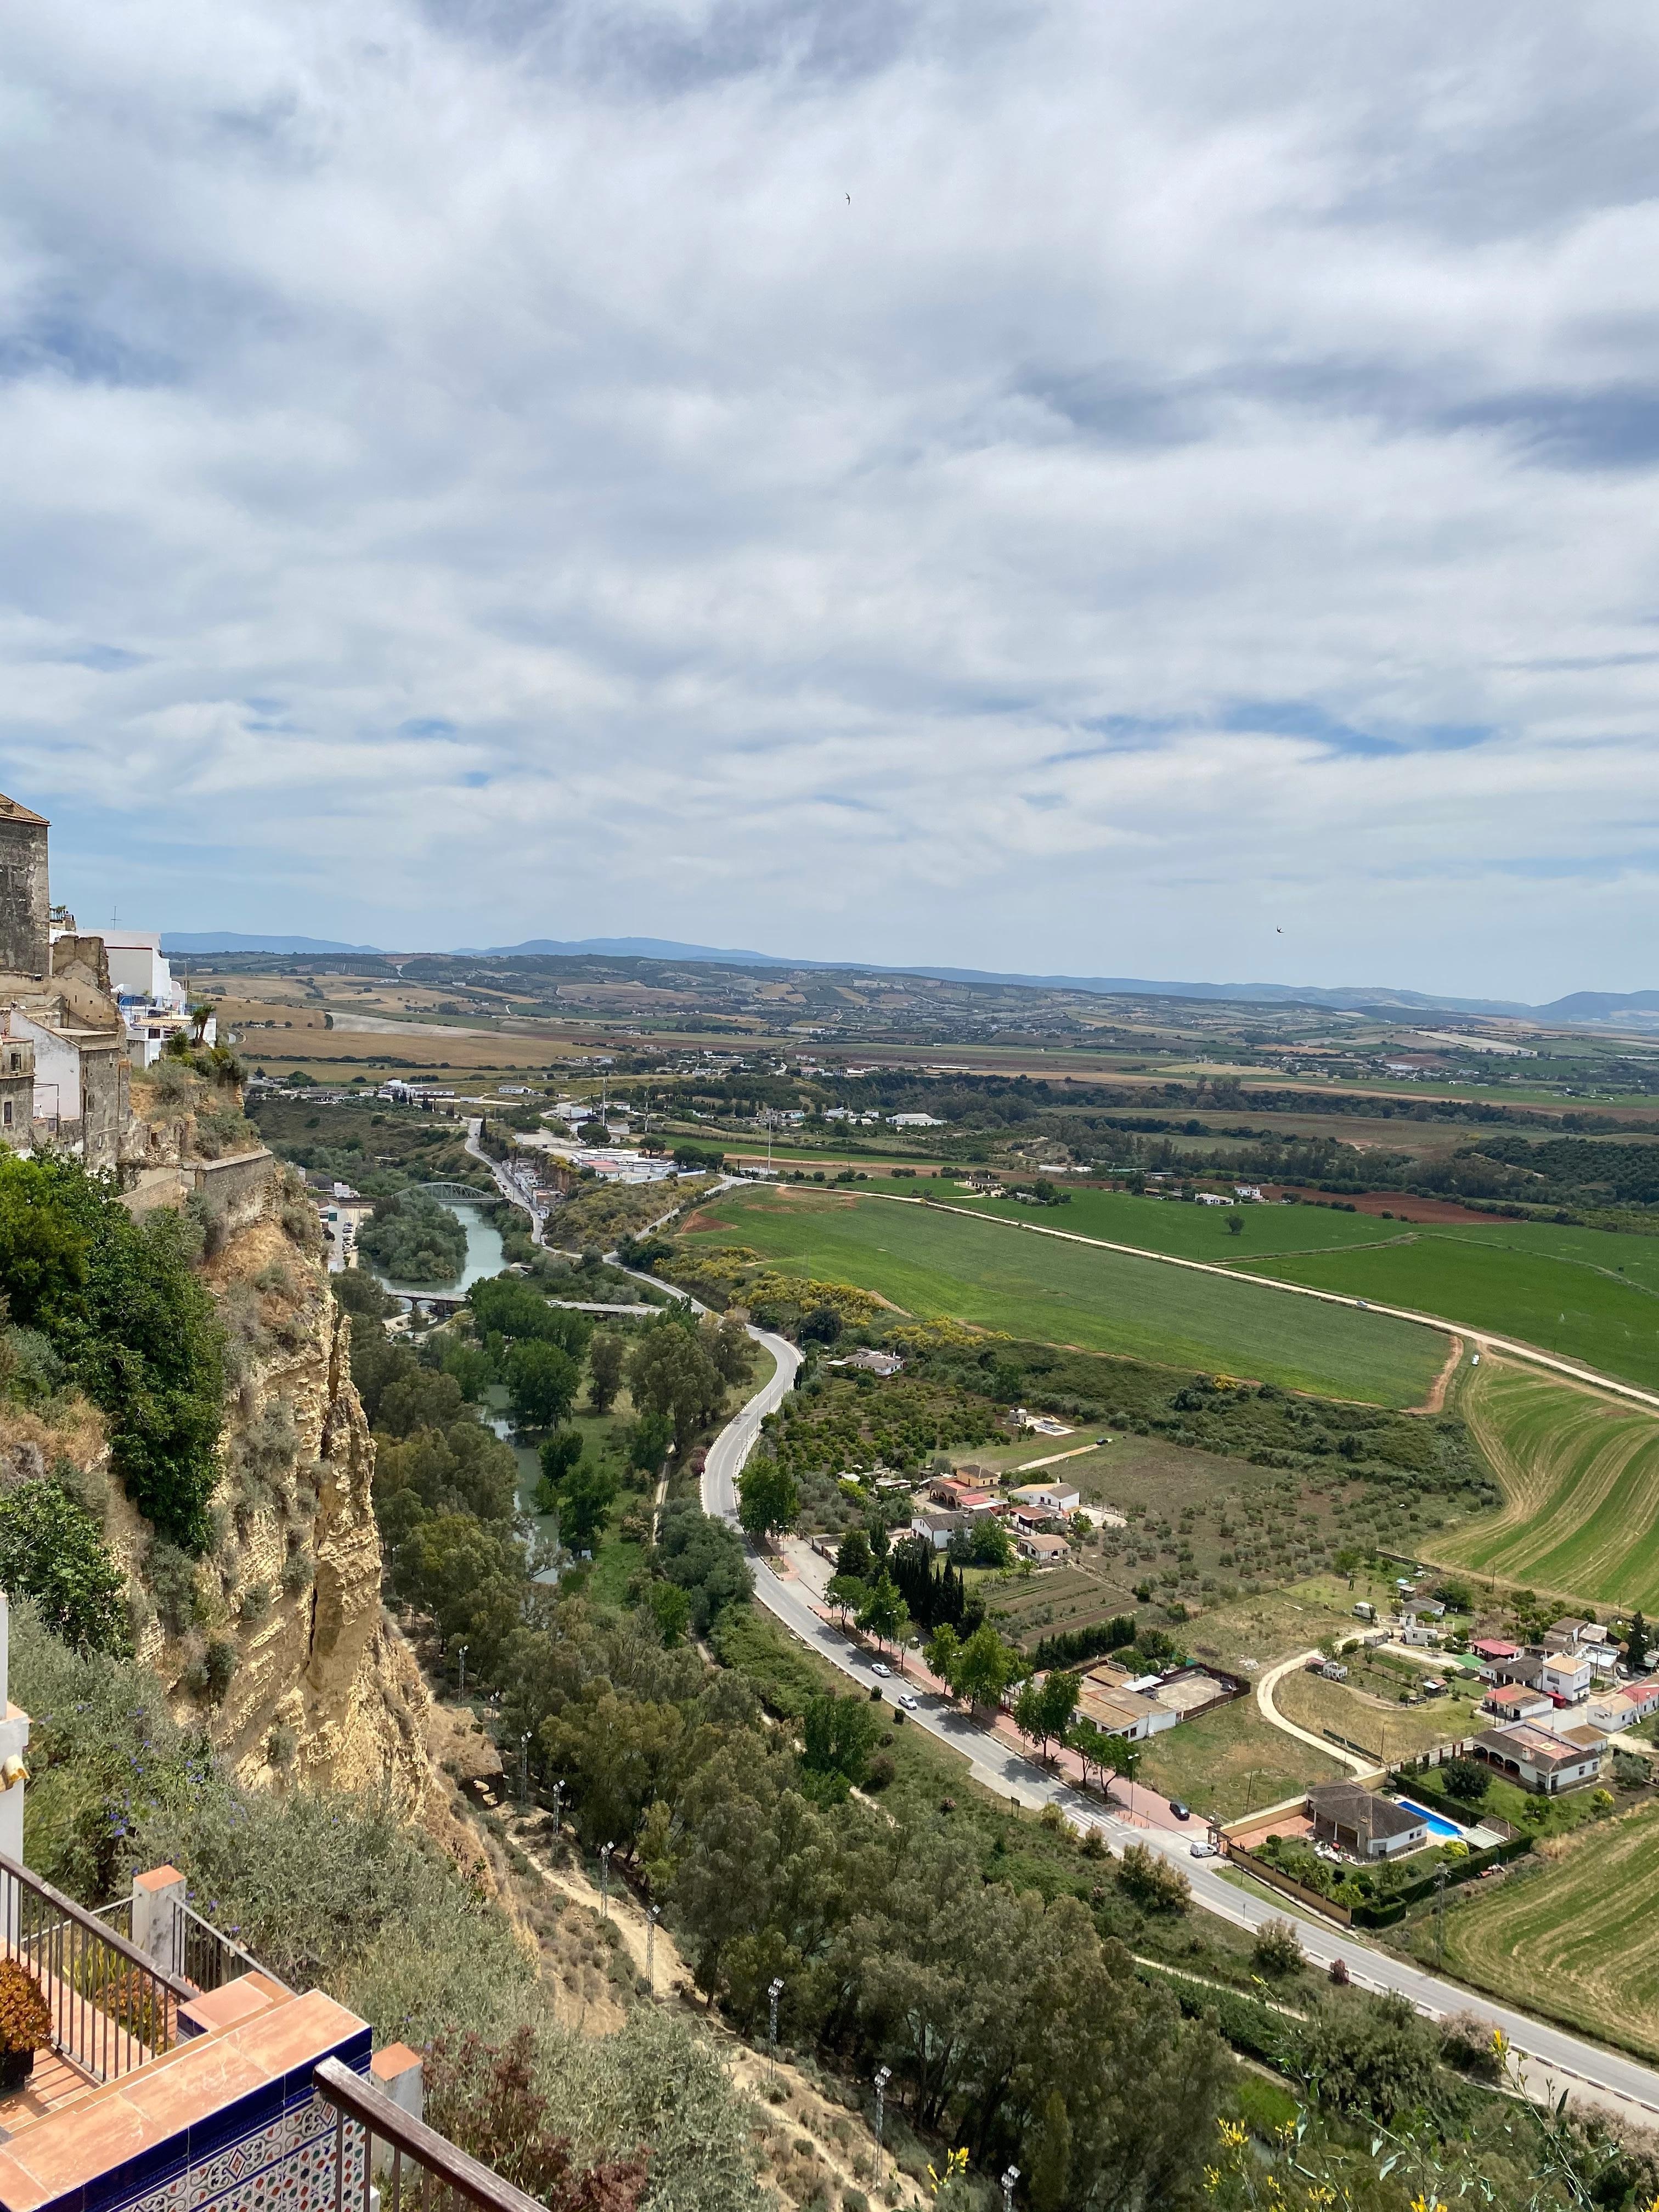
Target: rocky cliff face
(279, 1639)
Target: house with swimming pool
(1355, 1819)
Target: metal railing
(117, 1915)
(205, 1956)
(112, 2010)
(418, 2169)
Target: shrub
(1374, 2061)
(879, 1772)
(218, 1669)
(1466, 1778)
(172, 1577)
(25, 2015)
(281, 1745)
(1153, 1884)
(1469, 2042)
(1278, 1948)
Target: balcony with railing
(111, 2008)
(169, 2040)
(124, 1982)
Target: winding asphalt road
(1554, 2061)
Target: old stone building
(25, 903)
(64, 1065)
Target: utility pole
(1008, 2180)
(883, 2075)
(1440, 1914)
(524, 1768)
(558, 1808)
(605, 1851)
(775, 1991)
(654, 1916)
(461, 1656)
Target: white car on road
(880, 1667)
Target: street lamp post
(461, 1656)
(558, 1809)
(883, 2075)
(775, 1991)
(524, 1768)
(605, 1851)
(1008, 2180)
(651, 1947)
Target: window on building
(5, 1113)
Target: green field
(932, 1263)
(1190, 1232)
(1581, 1489)
(1571, 1939)
(1590, 1295)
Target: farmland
(933, 1264)
(1569, 1939)
(1588, 1295)
(1580, 1474)
(1193, 1232)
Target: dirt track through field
(1436, 1401)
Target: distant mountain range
(185, 942)
(1579, 1007)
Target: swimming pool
(1447, 1830)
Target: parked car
(1202, 1848)
(1182, 1812)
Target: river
(484, 1256)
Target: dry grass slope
(1573, 1939)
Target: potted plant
(25, 2023)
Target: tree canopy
(119, 1303)
(671, 1373)
(52, 1550)
(414, 1238)
(768, 1500)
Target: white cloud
(471, 472)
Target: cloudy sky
(1040, 486)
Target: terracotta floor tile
(93, 2141)
(19, 2190)
(289, 2034)
(178, 2096)
(227, 2008)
